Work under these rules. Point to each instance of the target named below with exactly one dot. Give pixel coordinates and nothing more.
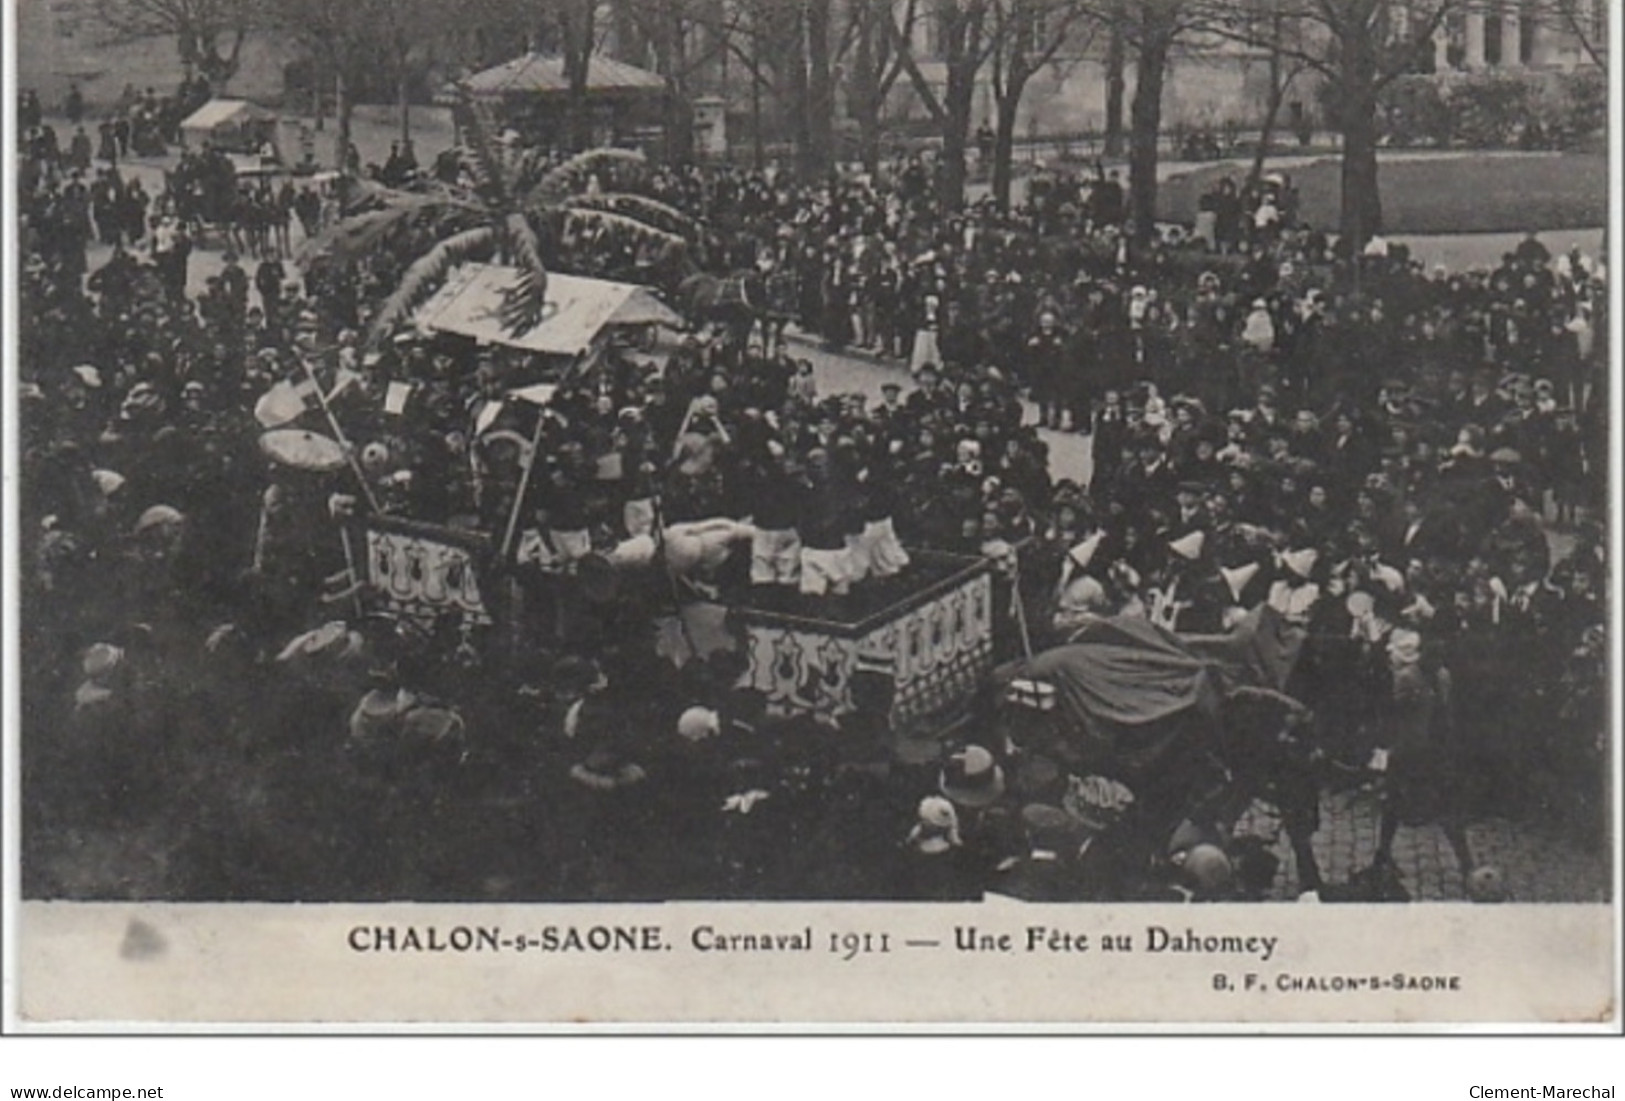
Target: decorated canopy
(536, 74)
(577, 309)
(229, 120)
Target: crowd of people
(1376, 453)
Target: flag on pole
(285, 403)
(396, 397)
(487, 416)
(343, 379)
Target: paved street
(846, 372)
(1536, 865)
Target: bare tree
(666, 36)
(201, 30)
(876, 64)
(577, 23)
(342, 37)
(1152, 29)
(1582, 20)
(407, 30)
(966, 41)
(1282, 72)
(786, 47)
(1359, 47)
(1116, 84)
(1027, 35)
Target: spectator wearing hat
(1048, 371)
(1048, 870)
(1412, 753)
(933, 865)
(974, 782)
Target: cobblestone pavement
(1535, 865)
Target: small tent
(577, 310)
(235, 125)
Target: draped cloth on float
(577, 310)
(1260, 652)
(1125, 686)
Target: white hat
(108, 481)
(1082, 594)
(1301, 562)
(972, 777)
(937, 830)
(158, 516)
(1405, 645)
(1083, 551)
(1238, 578)
(699, 723)
(88, 375)
(1189, 547)
(1391, 578)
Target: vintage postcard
(812, 514)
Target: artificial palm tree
(499, 209)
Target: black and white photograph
(974, 453)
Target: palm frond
(357, 234)
(527, 166)
(651, 212)
(571, 176)
(522, 306)
(425, 276)
(640, 233)
(485, 159)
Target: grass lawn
(1444, 194)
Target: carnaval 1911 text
(844, 943)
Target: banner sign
(425, 571)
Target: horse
(733, 301)
(741, 301)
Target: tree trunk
(1145, 117)
(342, 109)
(758, 150)
(673, 64)
(955, 138)
(576, 31)
(1116, 84)
(820, 101)
(963, 34)
(1272, 112)
(1360, 217)
(800, 119)
(405, 104)
(679, 128)
(341, 112)
(1004, 140)
(863, 98)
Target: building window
(1492, 38)
(1455, 36)
(1528, 27)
